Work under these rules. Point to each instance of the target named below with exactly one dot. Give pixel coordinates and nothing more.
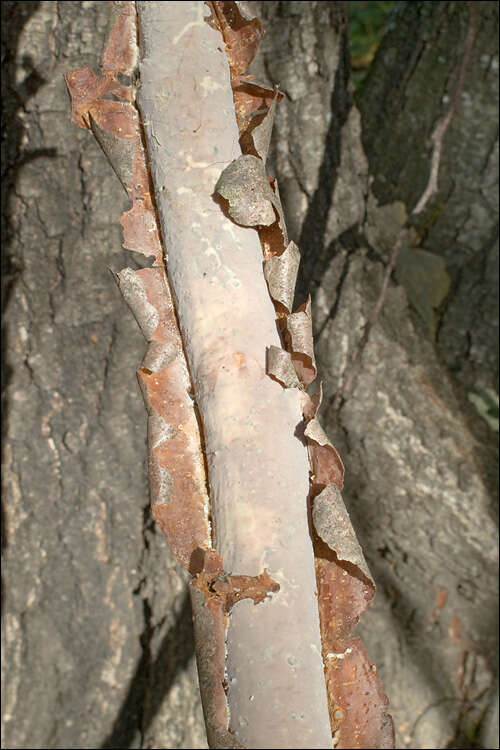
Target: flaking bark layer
(258, 477)
(177, 463)
(356, 701)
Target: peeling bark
(96, 625)
(207, 391)
(255, 477)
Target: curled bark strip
(120, 54)
(252, 102)
(178, 496)
(134, 292)
(311, 403)
(280, 367)
(343, 595)
(333, 525)
(245, 186)
(359, 714)
(281, 274)
(117, 118)
(300, 338)
(241, 34)
(326, 464)
(357, 704)
(106, 106)
(176, 471)
(261, 133)
(140, 230)
(274, 238)
(120, 152)
(86, 88)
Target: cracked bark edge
(230, 589)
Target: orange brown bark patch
(178, 506)
(107, 107)
(230, 589)
(357, 704)
(241, 35)
(120, 53)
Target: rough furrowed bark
(242, 475)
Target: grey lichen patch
(383, 223)
(245, 186)
(426, 280)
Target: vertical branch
(224, 383)
(258, 467)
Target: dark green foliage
(367, 22)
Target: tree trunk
(259, 478)
(97, 625)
